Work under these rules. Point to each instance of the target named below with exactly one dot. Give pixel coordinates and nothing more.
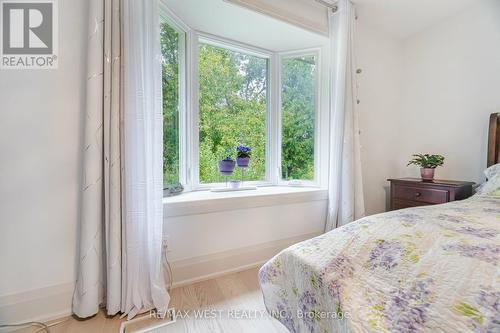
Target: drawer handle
(418, 194)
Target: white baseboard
(54, 302)
(210, 266)
(42, 304)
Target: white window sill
(202, 202)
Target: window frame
(189, 105)
(316, 53)
(185, 37)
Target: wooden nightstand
(412, 192)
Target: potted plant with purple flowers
(243, 156)
(226, 166)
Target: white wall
(40, 126)
(304, 13)
(451, 86)
(429, 93)
(204, 245)
(379, 57)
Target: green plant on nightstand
(427, 163)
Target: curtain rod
(332, 6)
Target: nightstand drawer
(400, 204)
(412, 192)
(427, 195)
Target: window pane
(233, 99)
(170, 79)
(298, 98)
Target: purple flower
(492, 210)
(284, 315)
(333, 274)
(408, 217)
(307, 302)
(451, 218)
(463, 210)
(353, 226)
(270, 272)
(486, 317)
(407, 307)
(405, 218)
(339, 267)
(385, 255)
(490, 200)
(479, 232)
(489, 300)
(243, 151)
(488, 253)
(335, 289)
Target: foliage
(298, 105)
(427, 161)
(233, 107)
(233, 104)
(170, 90)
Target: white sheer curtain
(121, 210)
(345, 195)
(144, 284)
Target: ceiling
(403, 18)
(399, 18)
(238, 23)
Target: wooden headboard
(494, 140)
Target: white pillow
(491, 187)
(492, 171)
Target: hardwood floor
(235, 304)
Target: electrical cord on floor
(42, 326)
(46, 327)
(170, 277)
(52, 324)
(169, 268)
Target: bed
(424, 269)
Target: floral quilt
(424, 269)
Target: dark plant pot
(427, 174)
(243, 161)
(226, 167)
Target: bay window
(219, 94)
